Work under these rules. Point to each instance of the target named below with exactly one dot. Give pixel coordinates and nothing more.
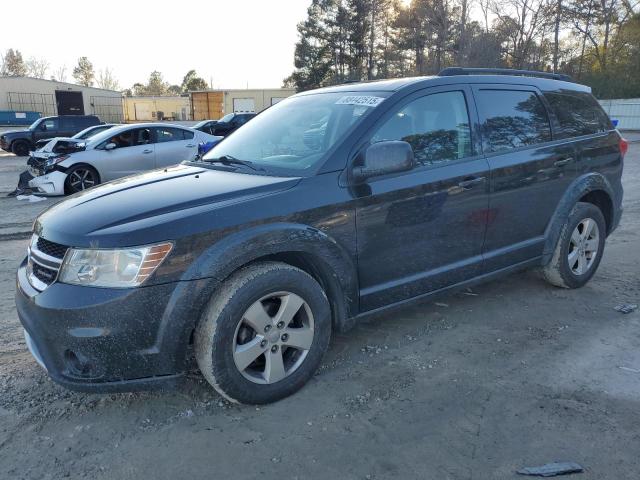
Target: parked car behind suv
(21, 142)
(252, 257)
(226, 125)
(49, 143)
(116, 152)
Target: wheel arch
(82, 164)
(591, 188)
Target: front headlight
(121, 268)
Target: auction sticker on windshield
(363, 100)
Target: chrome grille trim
(35, 256)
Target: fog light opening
(77, 363)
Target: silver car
(114, 153)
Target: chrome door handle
(147, 151)
(471, 182)
(190, 145)
(563, 162)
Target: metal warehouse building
(213, 104)
(49, 97)
(152, 109)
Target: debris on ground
(625, 307)
(628, 369)
(551, 469)
(30, 198)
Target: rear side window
(578, 114)
(512, 119)
(172, 134)
(436, 126)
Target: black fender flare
(329, 259)
(581, 186)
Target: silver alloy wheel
(81, 179)
(583, 246)
(273, 337)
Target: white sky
(232, 42)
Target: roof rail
(453, 71)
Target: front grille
(50, 248)
(44, 262)
(44, 274)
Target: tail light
(624, 146)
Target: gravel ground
(475, 386)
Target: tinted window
(512, 119)
(578, 113)
(172, 134)
(436, 127)
(49, 124)
(130, 138)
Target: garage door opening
(244, 105)
(69, 103)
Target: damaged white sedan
(115, 153)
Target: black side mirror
(384, 158)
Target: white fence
(626, 111)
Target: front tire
(579, 248)
(79, 178)
(264, 333)
(20, 148)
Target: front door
(424, 229)
(134, 152)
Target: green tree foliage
(596, 41)
(12, 64)
(192, 82)
(83, 73)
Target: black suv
(226, 125)
(21, 142)
(251, 257)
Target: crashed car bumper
(49, 184)
(99, 339)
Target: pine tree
(83, 73)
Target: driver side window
(130, 138)
(50, 124)
(436, 126)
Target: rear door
(423, 230)
(134, 152)
(69, 126)
(530, 171)
(174, 145)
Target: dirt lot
(514, 373)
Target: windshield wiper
(231, 160)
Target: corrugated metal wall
(626, 111)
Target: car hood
(13, 133)
(153, 206)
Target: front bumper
(49, 184)
(105, 340)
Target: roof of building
(75, 85)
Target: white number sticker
(362, 100)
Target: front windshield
(91, 132)
(293, 135)
(226, 118)
(200, 124)
(35, 124)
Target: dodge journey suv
(249, 258)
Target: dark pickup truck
(21, 142)
(250, 258)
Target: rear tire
(79, 178)
(264, 333)
(579, 248)
(20, 148)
